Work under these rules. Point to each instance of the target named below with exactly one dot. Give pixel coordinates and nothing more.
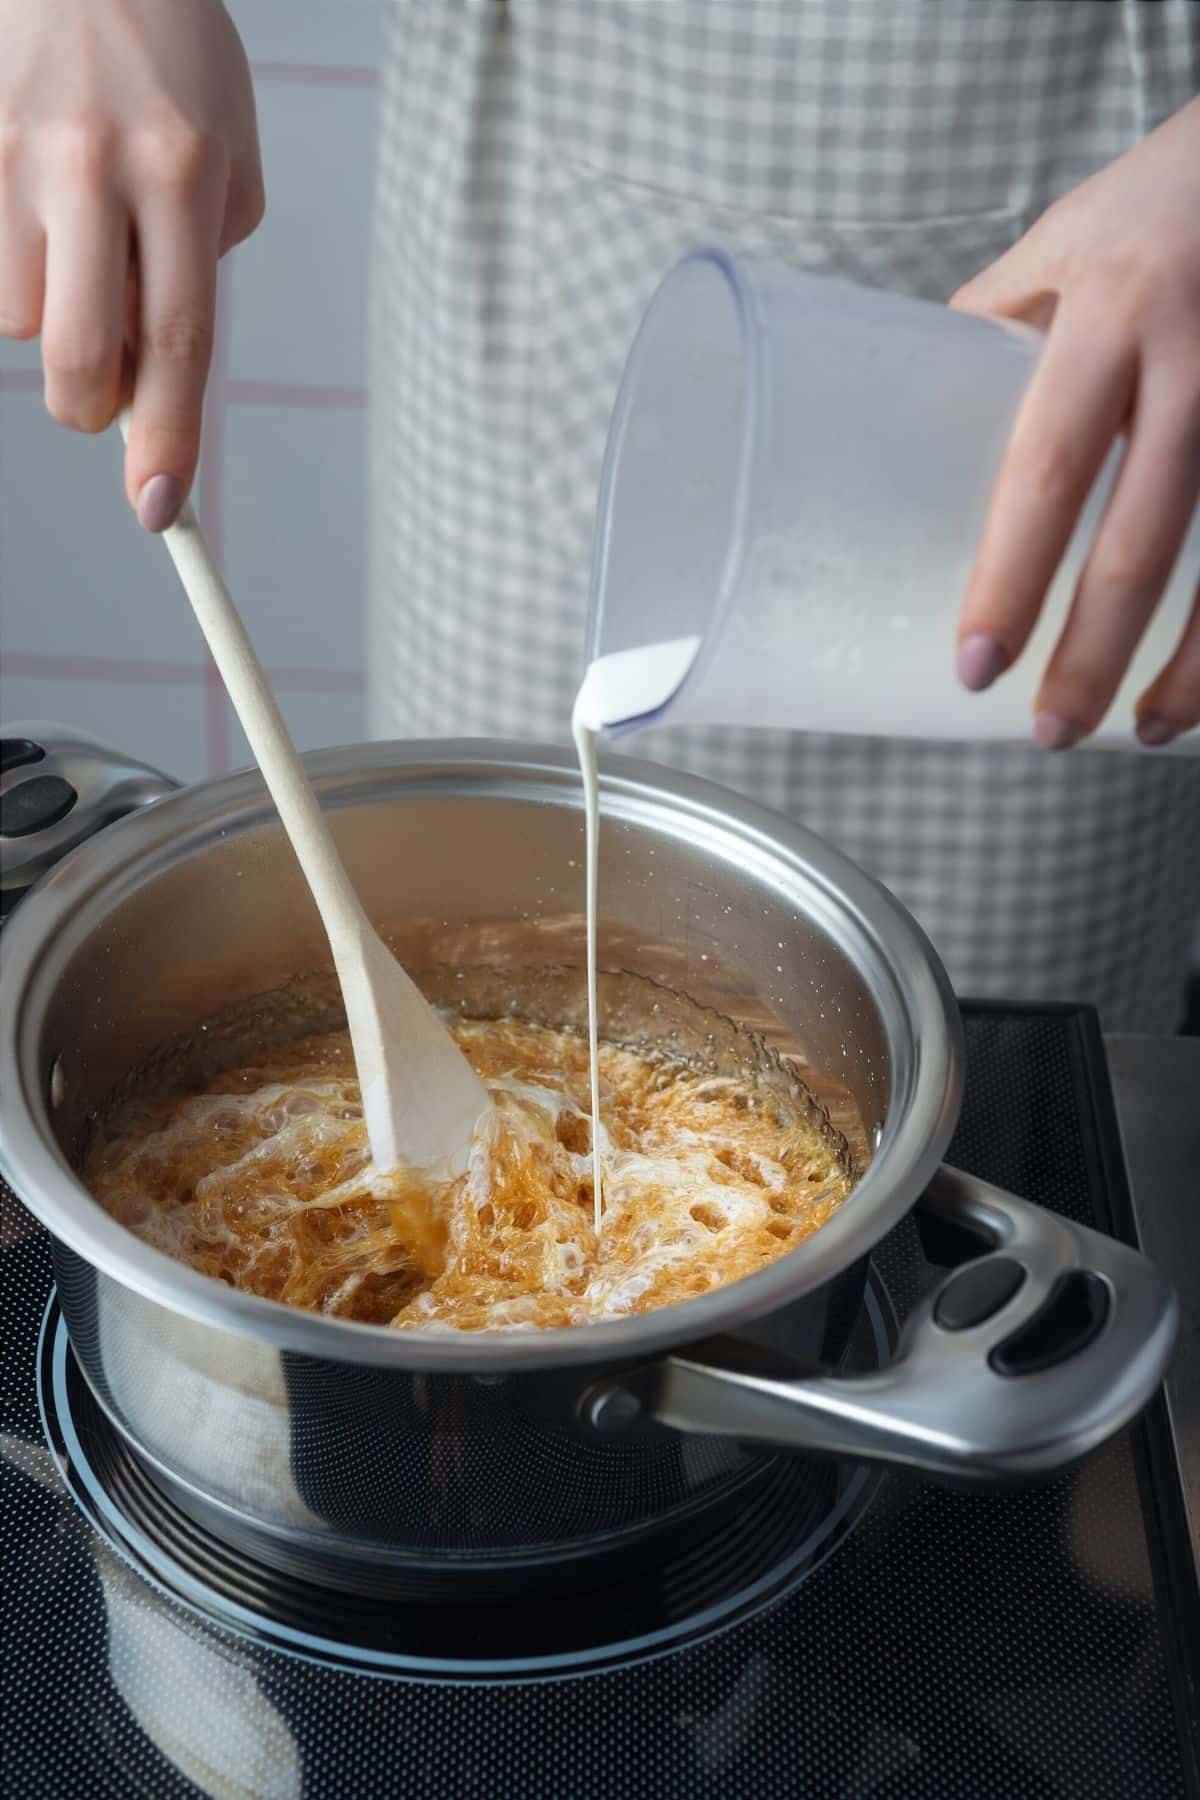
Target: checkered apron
(543, 163)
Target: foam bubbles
(265, 1181)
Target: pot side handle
(1015, 1366)
(58, 786)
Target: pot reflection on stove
(1099, 1506)
(200, 1706)
(198, 1703)
(718, 1738)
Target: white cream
(630, 684)
(585, 744)
(626, 685)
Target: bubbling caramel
(264, 1181)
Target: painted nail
(1155, 732)
(980, 659)
(159, 502)
(1055, 733)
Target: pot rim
(919, 1002)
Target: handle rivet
(611, 1409)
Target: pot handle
(57, 787)
(1017, 1364)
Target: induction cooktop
(846, 1632)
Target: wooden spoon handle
(421, 1097)
(256, 707)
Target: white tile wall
(293, 525)
(299, 290)
(324, 33)
(25, 357)
(160, 721)
(313, 719)
(79, 576)
(93, 628)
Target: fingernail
(159, 502)
(980, 659)
(1055, 733)
(1155, 732)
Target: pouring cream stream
(622, 688)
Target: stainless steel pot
(357, 1454)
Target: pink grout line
(96, 668)
(314, 75)
(283, 393)
(117, 669)
(237, 393)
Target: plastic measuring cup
(796, 480)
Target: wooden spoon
(421, 1097)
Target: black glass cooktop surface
(850, 1635)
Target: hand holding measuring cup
(1113, 272)
(795, 490)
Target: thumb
(1018, 285)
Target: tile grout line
(36, 666)
(290, 393)
(238, 391)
